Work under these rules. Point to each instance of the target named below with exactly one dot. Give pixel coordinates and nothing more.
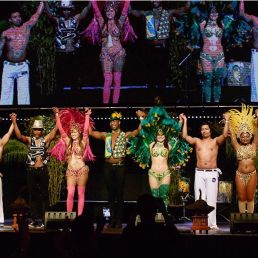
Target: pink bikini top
(76, 150)
(114, 32)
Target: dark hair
(14, 11)
(219, 20)
(206, 123)
(165, 143)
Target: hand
(87, 111)
(226, 116)
(13, 117)
(55, 110)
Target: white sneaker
(214, 228)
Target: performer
(67, 42)
(207, 171)
(112, 55)
(212, 56)
(114, 167)
(74, 148)
(244, 139)
(158, 143)
(37, 174)
(157, 34)
(3, 141)
(254, 59)
(16, 67)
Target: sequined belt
(16, 64)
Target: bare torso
(206, 153)
(16, 39)
(38, 162)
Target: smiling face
(110, 13)
(245, 138)
(75, 134)
(37, 132)
(205, 131)
(161, 137)
(15, 19)
(115, 125)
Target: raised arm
(48, 13)
(220, 139)
(191, 140)
(22, 138)
(124, 12)
(97, 13)
(83, 14)
(180, 10)
(2, 43)
(233, 137)
(59, 125)
(49, 137)
(34, 18)
(7, 136)
(242, 13)
(86, 123)
(136, 13)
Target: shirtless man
(3, 141)
(254, 60)
(114, 168)
(207, 171)
(16, 67)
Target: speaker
(243, 222)
(58, 220)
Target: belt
(15, 64)
(118, 164)
(207, 170)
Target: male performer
(16, 67)
(207, 171)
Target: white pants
(254, 76)
(207, 182)
(12, 72)
(1, 201)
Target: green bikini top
(159, 150)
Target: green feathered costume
(158, 118)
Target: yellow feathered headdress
(242, 122)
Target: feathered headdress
(242, 122)
(115, 116)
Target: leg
(120, 174)
(154, 185)
(199, 185)
(212, 193)
(23, 91)
(43, 190)
(71, 183)
(82, 182)
(208, 74)
(251, 188)
(107, 68)
(164, 189)
(1, 202)
(111, 189)
(7, 86)
(241, 194)
(118, 67)
(218, 74)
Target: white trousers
(1, 202)
(207, 182)
(12, 72)
(254, 76)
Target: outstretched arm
(242, 13)
(22, 138)
(7, 136)
(233, 137)
(59, 125)
(97, 13)
(220, 139)
(189, 139)
(124, 12)
(86, 123)
(34, 18)
(83, 13)
(51, 135)
(49, 14)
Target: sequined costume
(145, 149)
(112, 55)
